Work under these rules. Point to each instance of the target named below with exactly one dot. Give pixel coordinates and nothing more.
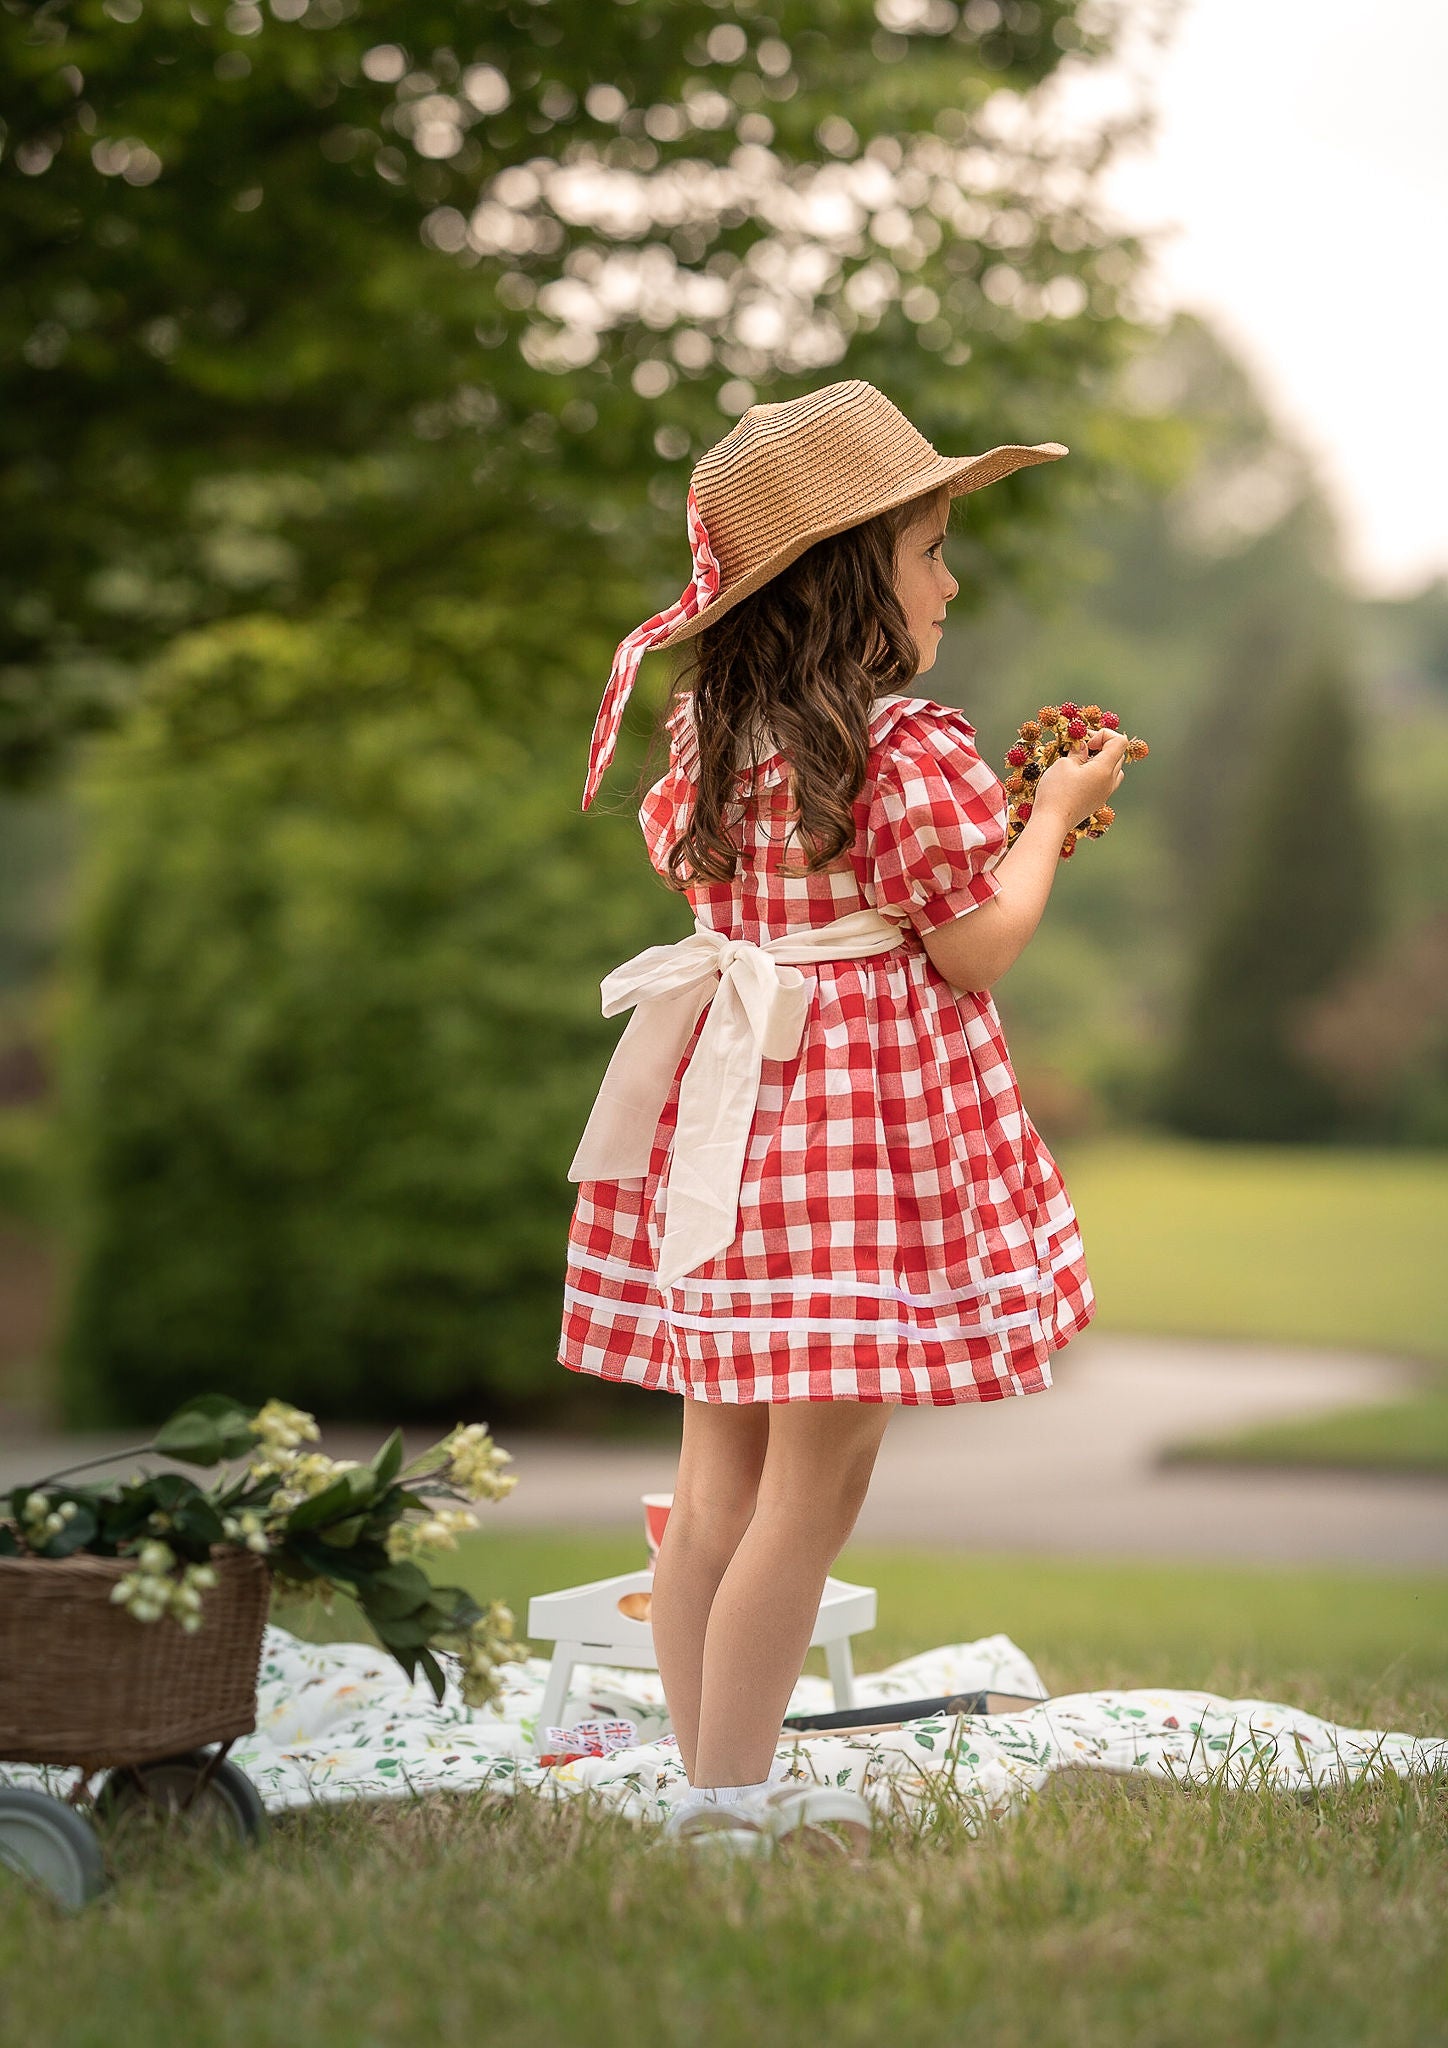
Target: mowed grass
(1109, 1910)
(1291, 1245)
(1400, 1436)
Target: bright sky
(1302, 157)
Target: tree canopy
(357, 357)
(348, 307)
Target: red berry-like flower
(1018, 757)
(1070, 711)
(1077, 728)
(1024, 812)
(1109, 718)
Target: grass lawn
(1288, 1244)
(1109, 1911)
(1401, 1436)
(1291, 1244)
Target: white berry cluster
(480, 1651)
(281, 1430)
(438, 1531)
(475, 1464)
(154, 1588)
(41, 1521)
(248, 1528)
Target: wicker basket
(82, 1682)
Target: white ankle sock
(734, 1795)
(729, 1795)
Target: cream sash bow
(758, 1005)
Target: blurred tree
(366, 349)
(1300, 904)
(334, 1032)
(347, 306)
(1204, 584)
(1379, 1033)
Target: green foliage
(1204, 586)
(357, 308)
(1300, 902)
(205, 1430)
(334, 1032)
(25, 1165)
(357, 360)
(320, 1527)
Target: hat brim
(958, 473)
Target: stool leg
(555, 1692)
(841, 1667)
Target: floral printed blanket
(341, 1721)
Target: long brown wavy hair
(795, 668)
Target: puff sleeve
(937, 821)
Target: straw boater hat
(785, 477)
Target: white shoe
(735, 1830)
(822, 1820)
(825, 1820)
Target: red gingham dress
(904, 1235)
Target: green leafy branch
(322, 1524)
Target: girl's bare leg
(720, 1463)
(817, 1465)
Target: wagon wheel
(47, 1842)
(201, 1791)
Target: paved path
(1073, 1472)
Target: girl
(809, 1188)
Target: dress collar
(886, 714)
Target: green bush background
(319, 554)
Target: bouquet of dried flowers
(1053, 731)
(322, 1524)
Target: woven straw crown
(791, 474)
(787, 476)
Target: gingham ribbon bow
(592, 1738)
(632, 649)
(758, 1002)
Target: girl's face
(923, 584)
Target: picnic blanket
(341, 1721)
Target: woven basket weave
(82, 1682)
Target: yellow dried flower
(475, 1463)
(438, 1531)
(283, 1427)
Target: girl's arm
(974, 950)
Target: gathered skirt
(904, 1235)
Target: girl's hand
(1079, 782)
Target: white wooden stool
(591, 1625)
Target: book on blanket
(864, 1720)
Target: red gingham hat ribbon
(631, 650)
